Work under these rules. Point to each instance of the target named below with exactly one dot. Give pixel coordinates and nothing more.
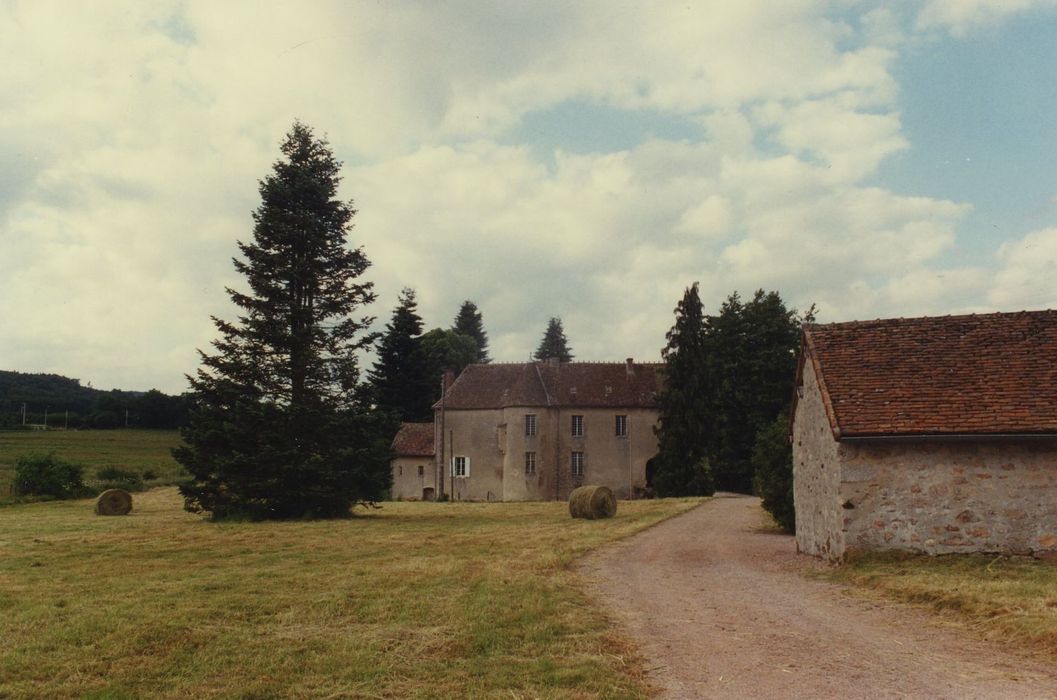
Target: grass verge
(135, 449)
(1010, 599)
(411, 600)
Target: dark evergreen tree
(772, 463)
(446, 349)
(277, 427)
(468, 322)
(400, 378)
(753, 348)
(681, 467)
(554, 343)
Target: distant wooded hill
(68, 404)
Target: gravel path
(721, 610)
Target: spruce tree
(468, 322)
(400, 378)
(554, 343)
(681, 467)
(278, 428)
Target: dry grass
(1012, 599)
(94, 449)
(412, 600)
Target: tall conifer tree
(684, 406)
(400, 378)
(554, 343)
(278, 428)
(468, 322)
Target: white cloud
(961, 16)
(1027, 278)
(140, 131)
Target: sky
(586, 160)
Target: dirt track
(721, 610)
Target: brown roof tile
(583, 384)
(952, 375)
(414, 440)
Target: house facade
(936, 435)
(536, 430)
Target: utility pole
(66, 423)
(126, 417)
(45, 417)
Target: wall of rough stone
(407, 484)
(945, 497)
(816, 475)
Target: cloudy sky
(586, 160)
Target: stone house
(534, 431)
(936, 435)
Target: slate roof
(414, 440)
(580, 384)
(975, 375)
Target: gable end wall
(816, 474)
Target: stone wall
(816, 474)
(945, 497)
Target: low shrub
(115, 478)
(149, 475)
(47, 475)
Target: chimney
(629, 365)
(446, 381)
(553, 361)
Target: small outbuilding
(414, 477)
(936, 435)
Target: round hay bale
(592, 502)
(113, 502)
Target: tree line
(723, 420)
(62, 402)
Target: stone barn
(936, 435)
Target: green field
(430, 600)
(137, 450)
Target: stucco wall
(479, 436)
(616, 462)
(816, 475)
(407, 483)
(950, 496)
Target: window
(578, 426)
(460, 466)
(622, 426)
(577, 464)
(421, 470)
(530, 424)
(400, 468)
(530, 462)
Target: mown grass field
(137, 450)
(1012, 599)
(410, 600)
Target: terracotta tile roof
(583, 384)
(414, 440)
(953, 375)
